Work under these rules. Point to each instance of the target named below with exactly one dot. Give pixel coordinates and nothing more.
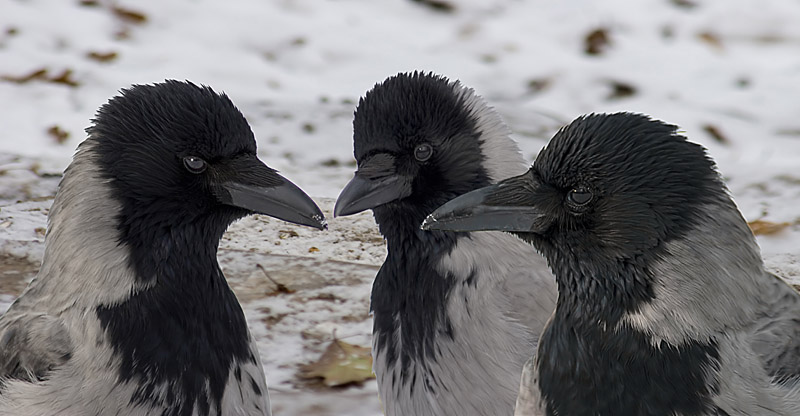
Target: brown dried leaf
(313, 250)
(761, 227)
(715, 133)
(284, 234)
(596, 41)
(65, 77)
(437, 5)
(539, 84)
(331, 163)
(58, 134)
(37, 74)
(710, 38)
(128, 15)
(340, 364)
(488, 58)
(102, 56)
(620, 90)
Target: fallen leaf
(538, 84)
(340, 364)
(313, 250)
(685, 4)
(743, 82)
(711, 39)
(715, 133)
(102, 56)
(620, 90)
(331, 163)
(37, 74)
(58, 134)
(129, 15)
(40, 231)
(437, 5)
(488, 58)
(596, 41)
(65, 77)
(284, 234)
(761, 227)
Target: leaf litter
(341, 364)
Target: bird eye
(194, 164)
(580, 196)
(423, 152)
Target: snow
(296, 69)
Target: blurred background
(727, 72)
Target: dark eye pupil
(580, 196)
(194, 164)
(423, 152)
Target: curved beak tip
(323, 224)
(248, 183)
(337, 209)
(344, 208)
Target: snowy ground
(727, 72)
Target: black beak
(375, 183)
(246, 182)
(361, 194)
(506, 206)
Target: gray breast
(496, 311)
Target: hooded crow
(664, 306)
(455, 315)
(130, 313)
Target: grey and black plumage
(130, 313)
(455, 315)
(664, 305)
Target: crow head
(177, 153)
